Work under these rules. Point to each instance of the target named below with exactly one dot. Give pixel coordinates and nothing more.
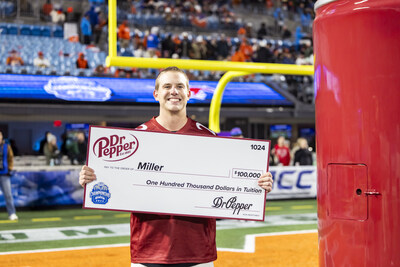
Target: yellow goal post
(232, 69)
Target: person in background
(238, 56)
(41, 61)
(46, 9)
(81, 148)
(303, 155)
(57, 16)
(262, 31)
(6, 166)
(282, 152)
(14, 59)
(86, 30)
(81, 62)
(124, 34)
(51, 151)
(236, 132)
(77, 149)
(43, 142)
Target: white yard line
(250, 240)
(249, 246)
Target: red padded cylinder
(357, 90)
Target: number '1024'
(257, 147)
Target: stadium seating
(61, 53)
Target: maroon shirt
(168, 239)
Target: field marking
(63, 249)
(304, 207)
(89, 217)
(127, 215)
(53, 219)
(250, 240)
(249, 245)
(124, 215)
(8, 221)
(273, 208)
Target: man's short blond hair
(171, 69)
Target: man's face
(172, 92)
(1, 137)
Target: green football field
(77, 227)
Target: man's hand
(265, 181)
(87, 175)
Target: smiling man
(168, 240)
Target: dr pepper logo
(115, 147)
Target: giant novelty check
(177, 174)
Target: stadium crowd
(234, 39)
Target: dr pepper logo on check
(115, 147)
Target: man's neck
(172, 121)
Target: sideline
(249, 246)
(250, 240)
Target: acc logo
(100, 194)
(115, 147)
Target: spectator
(223, 48)
(93, 16)
(81, 62)
(43, 142)
(98, 28)
(246, 49)
(51, 151)
(211, 48)
(241, 33)
(100, 71)
(287, 57)
(236, 132)
(46, 10)
(124, 34)
(14, 59)
(279, 19)
(6, 166)
(199, 49)
(86, 30)
(77, 149)
(41, 61)
(141, 52)
(302, 60)
(185, 46)
(263, 53)
(303, 155)
(136, 40)
(286, 33)
(153, 42)
(167, 46)
(81, 145)
(249, 30)
(57, 16)
(282, 152)
(238, 56)
(262, 32)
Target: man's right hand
(86, 175)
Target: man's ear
(189, 93)
(155, 94)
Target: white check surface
(176, 174)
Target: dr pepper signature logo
(115, 147)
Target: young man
(6, 166)
(167, 240)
